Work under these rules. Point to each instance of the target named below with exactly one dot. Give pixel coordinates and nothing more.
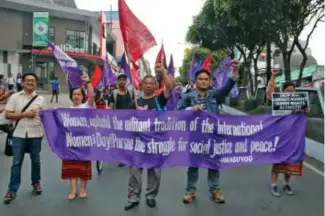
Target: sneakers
(218, 197)
(287, 190)
(274, 191)
(9, 198)
(37, 190)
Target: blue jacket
(214, 98)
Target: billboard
(40, 29)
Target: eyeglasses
(30, 80)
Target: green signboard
(40, 29)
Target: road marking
(311, 167)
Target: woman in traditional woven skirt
(72, 169)
(288, 170)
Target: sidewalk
(64, 101)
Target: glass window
(51, 70)
(52, 34)
(76, 39)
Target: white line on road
(311, 167)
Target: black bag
(8, 148)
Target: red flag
(134, 75)
(161, 57)
(206, 65)
(97, 76)
(136, 36)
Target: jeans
(18, 149)
(193, 177)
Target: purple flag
(191, 69)
(171, 68)
(222, 74)
(152, 139)
(172, 100)
(125, 69)
(68, 65)
(109, 77)
(197, 67)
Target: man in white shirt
(27, 136)
(11, 82)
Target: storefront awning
(94, 59)
(307, 72)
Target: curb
(314, 149)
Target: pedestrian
(18, 83)
(10, 82)
(152, 102)
(121, 97)
(74, 170)
(108, 93)
(202, 98)
(5, 124)
(23, 107)
(55, 89)
(288, 170)
(100, 101)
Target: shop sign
(40, 29)
(69, 48)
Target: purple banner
(172, 138)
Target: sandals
(72, 196)
(83, 195)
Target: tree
(308, 12)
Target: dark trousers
(10, 87)
(19, 146)
(56, 94)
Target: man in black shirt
(121, 98)
(149, 101)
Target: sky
(168, 21)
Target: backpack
(115, 95)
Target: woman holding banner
(287, 169)
(72, 169)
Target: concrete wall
(119, 42)
(11, 29)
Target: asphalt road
(246, 190)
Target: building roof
(65, 3)
(55, 10)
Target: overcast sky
(168, 20)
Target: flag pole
(133, 87)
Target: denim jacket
(214, 97)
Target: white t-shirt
(82, 106)
(19, 81)
(11, 81)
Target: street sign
(40, 29)
(285, 103)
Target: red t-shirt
(101, 104)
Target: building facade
(83, 35)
